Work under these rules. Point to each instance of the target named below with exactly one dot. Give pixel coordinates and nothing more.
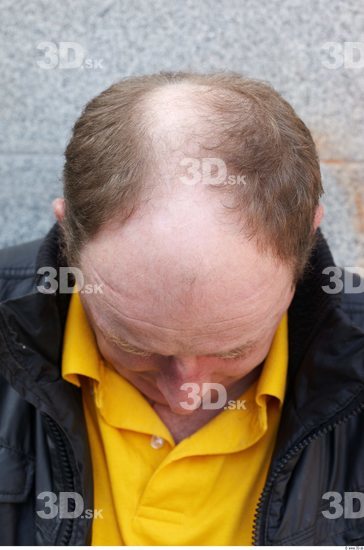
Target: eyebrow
(235, 352)
(239, 351)
(126, 346)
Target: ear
(58, 209)
(319, 214)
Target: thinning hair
(117, 144)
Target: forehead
(177, 278)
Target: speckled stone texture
(283, 42)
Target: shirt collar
(272, 381)
(80, 352)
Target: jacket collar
(31, 337)
(326, 351)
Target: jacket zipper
(258, 516)
(67, 474)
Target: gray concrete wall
(312, 51)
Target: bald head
(146, 134)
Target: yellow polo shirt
(201, 491)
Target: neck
(184, 425)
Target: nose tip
(184, 365)
(174, 377)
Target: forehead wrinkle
(192, 282)
(195, 342)
(190, 279)
(240, 349)
(169, 328)
(177, 335)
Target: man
(203, 384)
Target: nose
(175, 380)
(184, 367)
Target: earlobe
(58, 209)
(319, 214)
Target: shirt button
(156, 442)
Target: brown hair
(261, 138)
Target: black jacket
(43, 438)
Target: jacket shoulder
(21, 257)
(18, 268)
